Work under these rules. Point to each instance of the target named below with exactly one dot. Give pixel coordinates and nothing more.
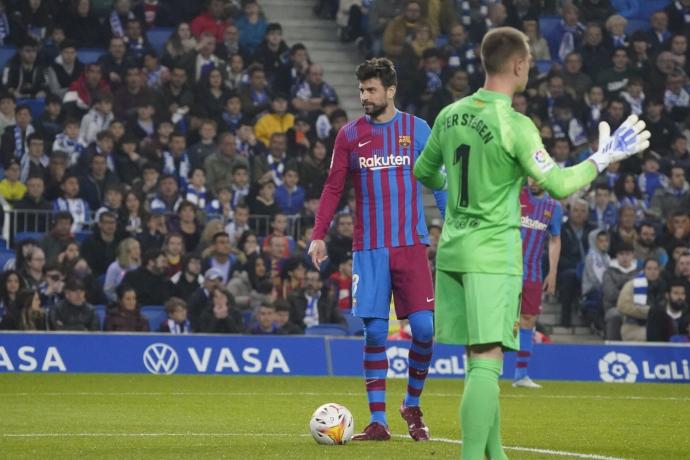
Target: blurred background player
(487, 148)
(378, 151)
(539, 213)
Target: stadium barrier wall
(318, 356)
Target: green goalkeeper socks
(479, 411)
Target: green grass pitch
(123, 416)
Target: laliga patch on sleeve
(543, 160)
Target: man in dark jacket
(100, 248)
(92, 186)
(574, 247)
(664, 322)
(201, 300)
(74, 313)
(148, 281)
(33, 200)
(313, 305)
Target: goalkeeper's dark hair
(380, 68)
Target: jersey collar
(492, 95)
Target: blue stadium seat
(21, 236)
(100, 311)
(89, 55)
(648, 7)
(247, 318)
(36, 105)
(6, 53)
(355, 325)
(544, 65)
(636, 24)
(5, 256)
(158, 36)
(547, 24)
(3, 243)
(326, 329)
(155, 314)
(81, 236)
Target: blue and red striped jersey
(537, 216)
(379, 157)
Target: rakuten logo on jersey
(528, 222)
(383, 162)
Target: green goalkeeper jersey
(487, 149)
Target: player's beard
(374, 110)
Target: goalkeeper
(487, 149)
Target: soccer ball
(332, 424)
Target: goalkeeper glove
(630, 138)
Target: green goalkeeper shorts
(478, 308)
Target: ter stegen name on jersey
(472, 121)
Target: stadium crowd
(188, 176)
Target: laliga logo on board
(618, 367)
(398, 362)
(160, 358)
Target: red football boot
(373, 432)
(415, 425)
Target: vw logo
(160, 358)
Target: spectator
(221, 316)
(35, 161)
(81, 93)
(168, 198)
(313, 305)
(615, 77)
(93, 185)
(200, 300)
(539, 47)
(566, 37)
(211, 21)
(59, 236)
(615, 27)
(23, 76)
(676, 98)
(265, 321)
(11, 284)
(659, 34)
(132, 95)
(679, 154)
(634, 95)
(308, 96)
(621, 270)
(667, 319)
(173, 247)
(252, 27)
(82, 25)
(11, 189)
(32, 270)
(97, 119)
(256, 96)
(282, 319)
(271, 167)
(15, 139)
(292, 274)
(278, 121)
(33, 200)
(270, 51)
(289, 195)
(180, 44)
(646, 247)
(177, 95)
(597, 262)
(341, 283)
(32, 317)
(401, 29)
(456, 87)
(186, 281)
(124, 315)
(114, 63)
(659, 125)
(595, 54)
(204, 148)
(229, 46)
(148, 280)
(64, 70)
(99, 248)
(340, 240)
(154, 14)
(670, 198)
(120, 14)
(177, 322)
(198, 63)
(74, 313)
(294, 70)
(221, 258)
(642, 293)
(128, 259)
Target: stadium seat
(6, 53)
(155, 314)
(100, 311)
(5, 256)
(648, 7)
(326, 329)
(81, 236)
(247, 318)
(36, 105)
(547, 24)
(21, 236)
(3, 243)
(544, 65)
(636, 24)
(158, 36)
(355, 325)
(89, 55)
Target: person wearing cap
(151, 286)
(200, 300)
(65, 69)
(621, 270)
(279, 120)
(74, 313)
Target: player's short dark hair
(500, 45)
(380, 68)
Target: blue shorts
(403, 271)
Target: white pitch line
(556, 453)
(532, 395)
